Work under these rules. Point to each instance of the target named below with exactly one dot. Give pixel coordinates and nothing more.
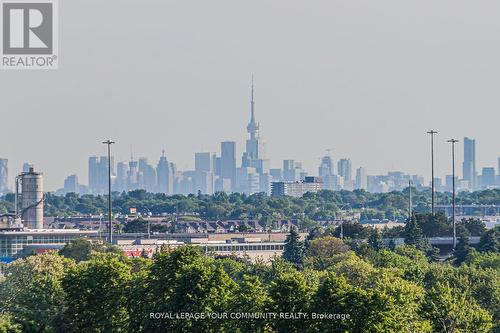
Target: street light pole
(453, 142)
(110, 222)
(433, 209)
(410, 204)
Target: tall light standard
(433, 210)
(453, 142)
(110, 223)
(410, 204)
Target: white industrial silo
(32, 199)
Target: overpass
(471, 210)
(437, 241)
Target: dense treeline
(368, 288)
(324, 205)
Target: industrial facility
(31, 210)
(23, 231)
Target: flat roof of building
(48, 231)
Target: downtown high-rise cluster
(252, 173)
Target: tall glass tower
(469, 164)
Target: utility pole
(433, 190)
(453, 142)
(410, 204)
(110, 222)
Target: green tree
(375, 240)
(32, 292)
(81, 249)
(332, 297)
(354, 269)
(138, 225)
(251, 297)
(294, 248)
(185, 281)
(451, 311)
(7, 325)
(323, 252)
(352, 230)
(386, 307)
(490, 240)
(474, 226)
(462, 249)
(483, 260)
(96, 294)
(290, 293)
(413, 234)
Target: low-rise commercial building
(296, 189)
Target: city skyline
(253, 160)
(336, 172)
(356, 84)
(153, 177)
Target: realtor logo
(29, 34)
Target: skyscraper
(204, 175)
(326, 167)
(228, 161)
(344, 167)
(469, 164)
(71, 184)
(203, 162)
(133, 175)
(498, 172)
(361, 183)
(93, 174)
(103, 174)
(291, 170)
(4, 176)
(146, 175)
(488, 177)
(164, 175)
(121, 177)
(27, 166)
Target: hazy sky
(366, 79)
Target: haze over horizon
(365, 79)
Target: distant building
(291, 170)
(203, 162)
(326, 167)
(296, 189)
(344, 167)
(333, 182)
(228, 162)
(488, 177)
(498, 172)
(120, 183)
(133, 177)
(27, 166)
(98, 173)
(165, 175)
(276, 174)
(469, 164)
(438, 184)
(4, 176)
(449, 183)
(148, 175)
(15, 243)
(223, 185)
(247, 180)
(71, 184)
(361, 183)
